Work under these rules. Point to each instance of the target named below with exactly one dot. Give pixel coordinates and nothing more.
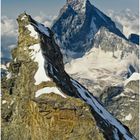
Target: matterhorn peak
(77, 24)
(78, 5)
(75, 1)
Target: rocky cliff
(26, 115)
(134, 38)
(41, 102)
(123, 103)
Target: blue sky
(12, 8)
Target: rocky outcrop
(49, 116)
(134, 38)
(40, 100)
(123, 103)
(110, 42)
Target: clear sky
(12, 8)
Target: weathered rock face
(48, 117)
(110, 42)
(36, 102)
(123, 103)
(134, 38)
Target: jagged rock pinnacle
(75, 1)
(78, 5)
(30, 111)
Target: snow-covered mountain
(106, 71)
(77, 24)
(111, 60)
(37, 70)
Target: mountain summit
(40, 100)
(77, 5)
(76, 2)
(77, 24)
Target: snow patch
(36, 55)
(134, 77)
(128, 117)
(47, 90)
(4, 102)
(40, 27)
(120, 95)
(8, 65)
(23, 17)
(9, 75)
(15, 59)
(32, 30)
(3, 67)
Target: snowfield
(37, 56)
(101, 68)
(32, 30)
(48, 90)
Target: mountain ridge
(75, 30)
(36, 45)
